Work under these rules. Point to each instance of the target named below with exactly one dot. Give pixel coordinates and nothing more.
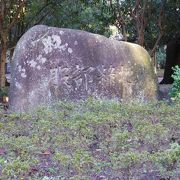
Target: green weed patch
(94, 139)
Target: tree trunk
(2, 65)
(124, 32)
(140, 17)
(141, 37)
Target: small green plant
(175, 91)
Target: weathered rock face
(63, 64)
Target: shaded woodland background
(149, 23)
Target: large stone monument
(53, 64)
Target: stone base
(164, 90)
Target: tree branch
(161, 29)
(37, 13)
(16, 16)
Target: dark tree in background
(10, 14)
(148, 23)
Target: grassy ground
(92, 140)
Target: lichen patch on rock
(70, 50)
(32, 63)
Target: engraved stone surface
(53, 64)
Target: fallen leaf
(33, 170)
(2, 151)
(46, 152)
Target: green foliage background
(175, 91)
(96, 16)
